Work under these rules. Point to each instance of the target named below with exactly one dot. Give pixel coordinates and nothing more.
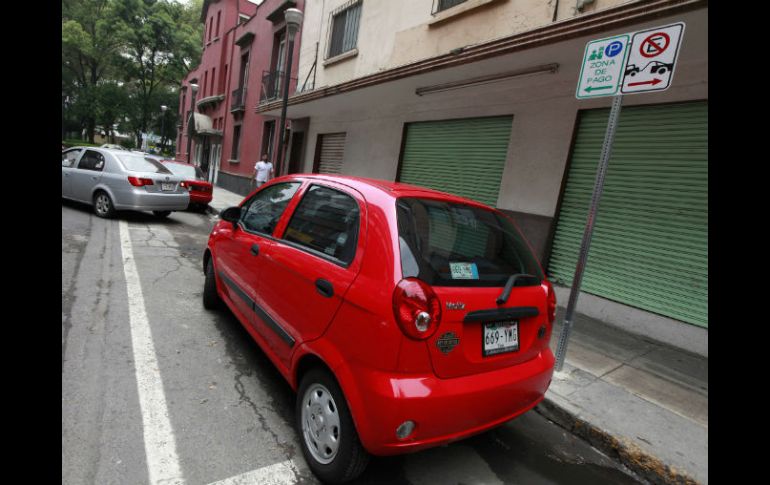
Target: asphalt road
(228, 412)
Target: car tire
(161, 214)
(211, 300)
(320, 395)
(103, 206)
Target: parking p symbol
(613, 49)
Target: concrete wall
(396, 32)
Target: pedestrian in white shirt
(263, 171)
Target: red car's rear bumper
(444, 410)
(197, 197)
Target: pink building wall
(222, 56)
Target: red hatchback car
(404, 317)
(201, 191)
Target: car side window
(69, 157)
(92, 160)
(326, 221)
(262, 212)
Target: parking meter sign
(602, 69)
(652, 58)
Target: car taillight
(186, 185)
(417, 308)
(139, 182)
(550, 302)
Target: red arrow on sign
(653, 82)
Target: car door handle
(254, 249)
(324, 288)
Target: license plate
(166, 186)
(500, 337)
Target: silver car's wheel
(320, 423)
(103, 205)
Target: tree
(159, 46)
(88, 47)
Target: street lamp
(194, 88)
(293, 21)
(163, 109)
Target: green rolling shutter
(463, 157)
(650, 242)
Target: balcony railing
(272, 85)
(238, 100)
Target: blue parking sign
(614, 49)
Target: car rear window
(451, 244)
(140, 163)
(187, 171)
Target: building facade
(477, 97)
(244, 52)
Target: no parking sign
(651, 59)
(617, 65)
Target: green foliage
(123, 59)
(78, 143)
(128, 144)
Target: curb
(626, 452)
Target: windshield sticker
(464, 271)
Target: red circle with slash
(653, 48)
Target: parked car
(405, 318)
(113, 146)
(201, 190)
(113, 180)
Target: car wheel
(103, 205)
(327, 433)
(161, 214)
(211, 299)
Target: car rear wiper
(512, 281)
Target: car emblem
(447, 341)
(455, 305)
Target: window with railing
(343, 32)
(272, 85)
(441, 5)
(238, 99)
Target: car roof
(370, 186)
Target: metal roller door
(332, 149)
(464, 157)
(650, 243)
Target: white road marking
(159, 442)
(283, 473)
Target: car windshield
(452, 244)
(187, 171)
(139, 163)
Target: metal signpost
(613, 67)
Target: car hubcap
(102, 204)
(320, 423)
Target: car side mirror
(231, 214)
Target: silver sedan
(113, 180)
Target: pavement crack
(287, 448)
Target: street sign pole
(609, 137)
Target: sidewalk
(637, 400)
(222, 199)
